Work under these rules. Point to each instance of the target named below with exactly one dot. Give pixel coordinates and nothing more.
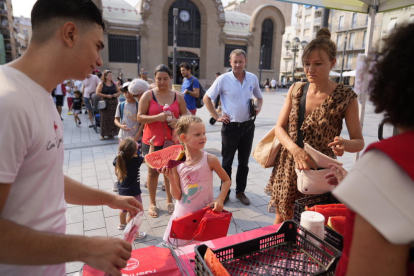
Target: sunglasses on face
(145, 73)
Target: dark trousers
(237, 137)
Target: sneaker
(243, 198)
(77, 125)
(86, 112)
(90, 126)
(121, 227)
(70, 113)
(80, 122)
(140, 235)
(115, 187)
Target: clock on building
(184, 15)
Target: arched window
(188, 33)
(267, 41)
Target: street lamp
(261, 63)
(193, 66)
(175, 16)
(294, 47)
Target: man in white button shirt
(236, 89)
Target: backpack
(121, 108)
(199, 100)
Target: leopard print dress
(319, 129)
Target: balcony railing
(297, 27)
(306, 26)
(317, 21)
(3, 12)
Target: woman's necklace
(192, 162)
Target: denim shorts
(87, 104)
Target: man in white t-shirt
(89, 87)
(33, 189)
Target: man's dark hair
(186, 65)
(77, 10)
(218, 73)
(391, 91)
(163, 68)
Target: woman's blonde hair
(126, 150)
(184, 123)
(105, 74)
(321, 42)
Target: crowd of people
(147, 115)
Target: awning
(356, 5)
(334, 74)
(349, 73)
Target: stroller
(95, 111)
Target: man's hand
(128, 203)
(225, 119)
(185, 91)
(258, 109)
(107, 254)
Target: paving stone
(105, 184)
(88, 172)
(249, 210)
(97, 232)
(90, 181)
(112, 226)
(109, 212)
(93, 220)
(74, 215)
(75, 229)
(77, 177)
(88, 165)
(88, 209)
(104, 175)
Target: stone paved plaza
(89, 160)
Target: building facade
(23, 26)
(8, 43)
(206, 34)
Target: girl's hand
(151, 141)
(168, 173)
(162, 117)
(173, 122)
(336, 175)
(125, 127)
(302, 160)
(338, 146)
(218, 205)
(109, 96)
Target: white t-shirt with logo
(31, 150)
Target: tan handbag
(267, 149)
(312, 182)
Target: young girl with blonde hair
(192, 181)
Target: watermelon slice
(337, 224)
(161, 158)
(330, 212)
(339, 205)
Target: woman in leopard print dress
(326, 105)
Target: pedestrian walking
(89, 88)
(77, 107)
(236, 90)
(109, 92)
(34, 192)
(273, 83)
(190, 87)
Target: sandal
(170, 208)
(140, 235)
(101, 138)
(153, 211)
(121, 227)
(146, 186)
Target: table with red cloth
(154, 260)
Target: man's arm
(24, 246)
(79, 194)
(194, 93)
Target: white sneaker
(115, 187)
(140, 235)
